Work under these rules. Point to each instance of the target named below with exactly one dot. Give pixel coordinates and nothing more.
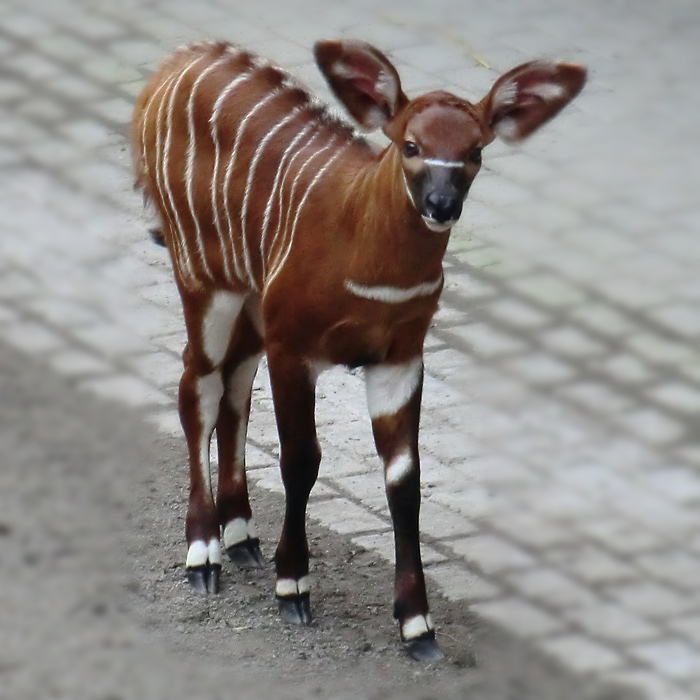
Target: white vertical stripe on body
(176, 249)
(311, 186)
(166, 157)
(268, 207)
(191, 153)
(227, 179)
(214, 123)
(280, 202)
(253, 165)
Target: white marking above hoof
(416, 627)
(238, 530)
(200, 553)
(290, 586)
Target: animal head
(440, 136)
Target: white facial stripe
(166, 175)
(191, 153)
(210, 389)
(390, 387)
(408, 189)
(289, 586)
(393, 295)
(399, 468)
(254, 162)
(214, 124)
(416, 626)
(283, 258)
(273, 191)
(227, 180)
(236, 531)
(436, 162)
(218, 322)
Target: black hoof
(295, 609)
(204, 579)
(246, 554)
(424, 649)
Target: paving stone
(612, 624)
(552, 589)
(517, 313)
(594, 565)
(343, 516)
(457, 583)
(677, 396)
(519, 616)
(441, 523)
(671, 658)
(71, 362)
(540, 369)
(582, 654)
(626, 368)
(125, 389)
(492, 554)
(650, 685)
(32, 338)
(652, 600)
(486, 340)
(652, 425)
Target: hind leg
(210, 322)
(233, 506)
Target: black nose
(442, 207)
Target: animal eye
(410, 149)
(475, 155)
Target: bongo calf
(291, 236)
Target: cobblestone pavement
(560, 440)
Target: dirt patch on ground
(94, 604)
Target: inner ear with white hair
(526, 97)
(363, 79)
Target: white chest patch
(390, 387)
(393, 295)
(217, 325)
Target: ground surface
(95, 604)
(560, 440)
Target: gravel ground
(93, 602)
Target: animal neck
(394, 245)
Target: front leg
(294, 395)
(393, 397)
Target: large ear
(363, 79)
(526, 97)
